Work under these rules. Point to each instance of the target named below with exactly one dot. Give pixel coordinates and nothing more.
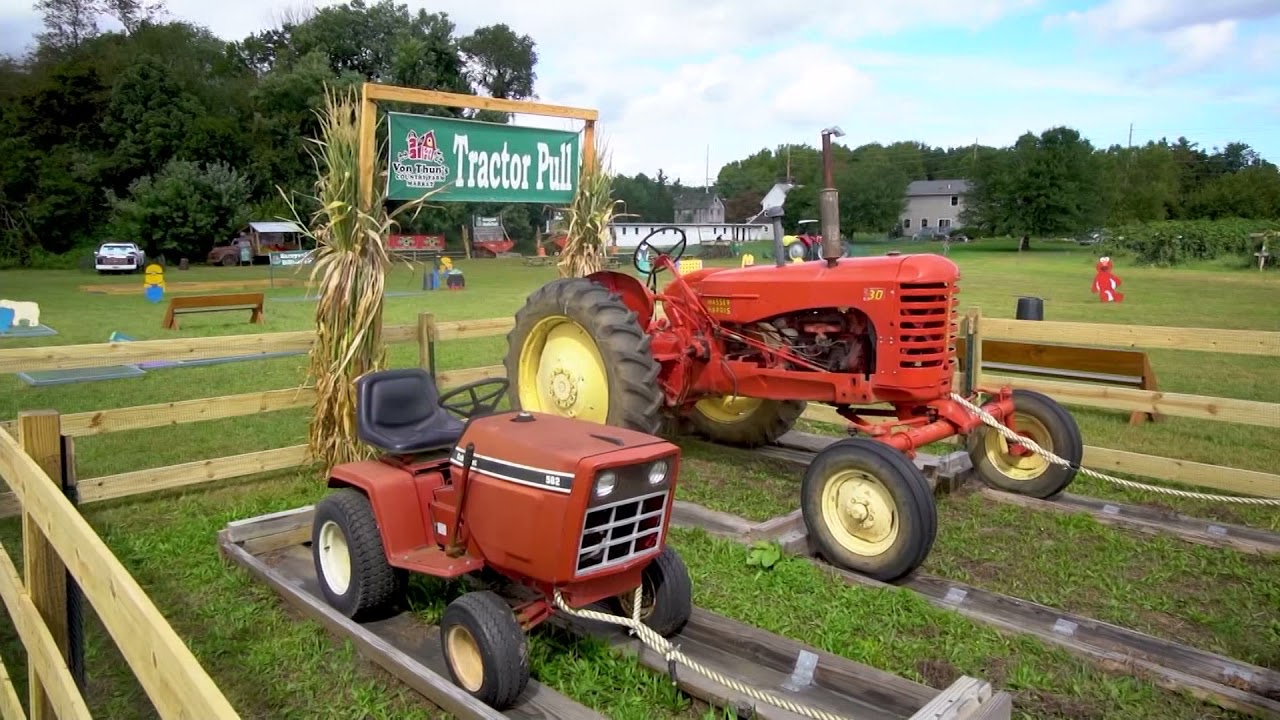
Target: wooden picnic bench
(1129, 368)
(182, 305)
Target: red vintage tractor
(549, 504)
(737, 352)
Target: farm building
(933, 204)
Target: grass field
(273, 665)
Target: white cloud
(1159, 16)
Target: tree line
(166, 135)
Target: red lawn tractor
(736, 353)
(547, 503)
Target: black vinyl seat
(398, 411)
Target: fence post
(427, 342)
(75, 605)
(973, 350)
(45, 575)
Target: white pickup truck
(119, 257)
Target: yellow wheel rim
(562, 373)
(728, 409)
(626, 601)
(1019, 467)
(464, 658)
(860, 512)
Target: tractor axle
(951, 419)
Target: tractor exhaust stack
(829, 202)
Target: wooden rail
(58, 541)
(427, 331)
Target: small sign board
(293, 257)
(472, 161)
(415, 242)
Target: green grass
(272, 664)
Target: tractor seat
(398, 411)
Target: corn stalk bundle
(586, 220)
(351, 263)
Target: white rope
(1013, 437)
(672, 655)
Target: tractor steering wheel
(653, 268)
(476, 403)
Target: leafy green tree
(183, 209)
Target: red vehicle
(549, 504)
(737, 352)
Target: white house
(933, 204)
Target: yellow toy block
(687, 266)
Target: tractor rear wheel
(744, 421)
(1046, 423)
(485, 648)
(868, 509)
(350, 562)
(578, 351)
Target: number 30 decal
(873, 294)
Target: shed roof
(276, 227)
(937, 187)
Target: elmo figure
(1105, 282)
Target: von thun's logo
(421, 164)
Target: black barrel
(1030, 308)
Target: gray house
(699, 207)
(933, 205)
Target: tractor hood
(536, 444)
(760, 291)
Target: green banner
(471, 161)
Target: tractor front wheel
(1018, 470)
(869, 509)
(578, 351)
(485, 648)
(744, 421)
(351, 565)
(666, 595)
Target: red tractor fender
(632, 292)
(394, 497)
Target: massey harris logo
(421, 164)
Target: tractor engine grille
(926, 325)
(620, 531)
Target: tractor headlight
(606, 483)
(658, 472)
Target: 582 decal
(869, 294)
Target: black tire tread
(503, 647)
(920, 497)
(374, 581)
(635, 398)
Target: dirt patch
(980, 573)
(995, 671)
(938, 674)
(1051, 705)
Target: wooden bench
(1129, 368)
(213, 303)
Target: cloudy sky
(676, 80)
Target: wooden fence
(428, 331)
(57, 542)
